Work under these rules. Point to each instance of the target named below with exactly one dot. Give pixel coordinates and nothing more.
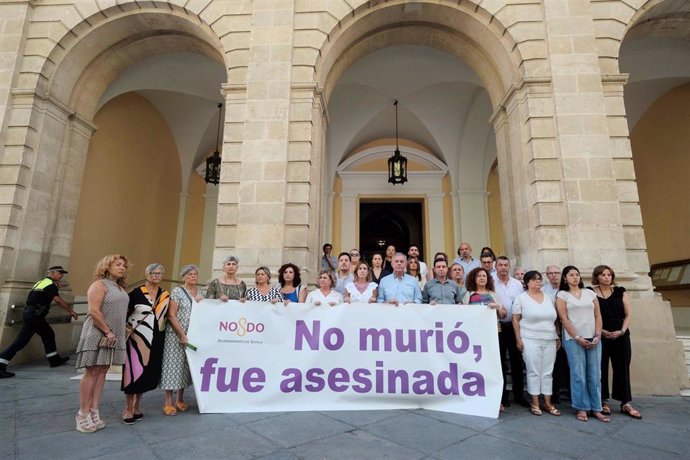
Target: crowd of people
(558, 338)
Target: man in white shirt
(553, 274)
(507, 289)
(423, 269)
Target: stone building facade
(550, 102)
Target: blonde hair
(104, 264)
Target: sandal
(535, 410)
(181, 406)
(605, 409)
(84, 424)
(581, 416)
(96, 419)
(601, 417)
(169, 410)
(630, 411)
(552, 410)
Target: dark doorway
(385, 223)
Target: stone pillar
(254, 187)
(206, 266)
(13, 20)
(436, 224)
(600, 200)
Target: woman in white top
(534, 322)
(325, 294)
(361, 289)
(578, 310)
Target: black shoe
(138, 417)
(57, 360)
(524, 403)
(4, 374)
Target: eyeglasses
(156, 274)
(354, 254)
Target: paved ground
(37, 421)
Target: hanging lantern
(397, 164)
(213, 162)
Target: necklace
(604, 296)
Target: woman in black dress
(148, 307)
(615, 340)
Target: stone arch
(465, 30)
(63, 72)
(492, 41)
(121, 37)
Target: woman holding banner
(325, 295)
(175, 374)
(291, 284)
(227, 286)
(480, 291)
(263, 291)
(361, 289)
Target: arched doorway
(446, 99)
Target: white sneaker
(84, 424)
(96, 419)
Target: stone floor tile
(488, 447)
(423, 434)
(360, 418)
(297, 428)
(232, 442)
(355, 444)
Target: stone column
(208, 231)
(13, 20)
(253, 189)
(603, 223)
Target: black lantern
(213, 162)
(397, 164)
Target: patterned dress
(233, 291)
(175, 373)
(144, 356)
(114, 310)
(273, 293)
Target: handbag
(103, 343)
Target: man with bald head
(465, 259)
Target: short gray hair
(230, 259)
(188, 268)
(151, 267)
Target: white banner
(259, 357)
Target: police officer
(38, 303)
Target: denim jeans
(585, 376)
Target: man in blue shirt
(399, 288)
(465, 259)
